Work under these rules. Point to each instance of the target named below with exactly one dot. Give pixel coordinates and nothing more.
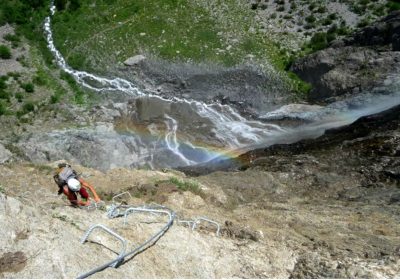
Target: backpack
(64, 174)
(67, 173)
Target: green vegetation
(110, 33)
(14, 39)
(2, 190)
(20, 11)
(40, 78)
(5, 52)
(41, 168)
(99, 33)
(79, 93)
(191, 186)
(65, 219)
(28, 87)
(19, 96)
(27, 16)
(3, 80)
(105, 32)
(3, 108)
(393, 5)
(28, 107)
(301, 87)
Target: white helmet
(74, 185)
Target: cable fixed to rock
(121, 194)
(114, 263)
(138, 249)
(156, 236)
(148, 210)
(207, 220)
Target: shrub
(40, 79)
(4, 95)
(14, 75)
(11, 38)
(309, 25)
(28, 87)
(318, 41)
(327, 21)
(379, 11)
(280, 8)
(364, 22)
(3, 84)
(54, 98)
(310, 19)
(28, 107)
(5, 52)
(330, 36)
(19, 96)
(321, 10)
(332, 16)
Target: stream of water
(163, 132)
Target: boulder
(134, 60)
(5, 154)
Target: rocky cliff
(354, 64)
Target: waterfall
(182, 142)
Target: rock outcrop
(354, 64)
(5, 154)
(134, 60)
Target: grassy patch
(182, 30)
(65, 219)
(191, 186)
(103, 32)
(301, 87)
(14, 39)
(41, 168)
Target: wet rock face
(246, 88)
(369, 148)
(355, 64)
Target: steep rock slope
(274, 223)
(354, 64)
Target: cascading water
(178, 132)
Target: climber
(69, 183)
